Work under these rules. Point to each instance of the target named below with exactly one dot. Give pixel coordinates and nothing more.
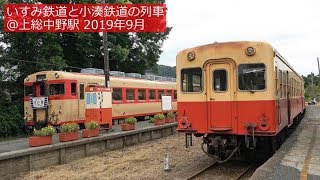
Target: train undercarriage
(224, 147)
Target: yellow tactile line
(307, 160)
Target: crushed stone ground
(142, 161)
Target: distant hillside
(166, 71)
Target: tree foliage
(166, 71)
(27, 53)
(312, 86)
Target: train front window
(220, 80)
(191, 80)
(42, 90)
(28, 91)
(56, 89)
(251, 77)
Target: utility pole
(106, 56)
(318, 66)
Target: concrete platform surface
(23, 143)
(299, 156)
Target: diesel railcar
(239, 96)
(58, 97)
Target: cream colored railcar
(65, 96)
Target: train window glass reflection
(152, 94)
(117, 94)
(251, 77)
(141, 94)
(28, 91)
(56, 89)
(94, 98)
(88, 98)
(220, 80)
(130, 94)
(191, 80)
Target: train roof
(241, 44)
(85, 77)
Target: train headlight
(56, 75)
(264, 125)
(191, 56)
(27, 78)
(250, 51)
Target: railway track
(230, 170)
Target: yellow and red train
(238, 96)
(58, 97)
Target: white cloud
(291, 26)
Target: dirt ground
(142, 161)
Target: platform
(299, 156)
(23, 143)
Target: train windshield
(28, 91)
(251, 77)
(56, 89)
(191, 80)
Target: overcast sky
(291, 26)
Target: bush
(159, 116)
(46, 131)
(92, 125)
(11, 122)
(131, 120)
(151, 120)
(69, 127)
(171, 115)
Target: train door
(81, 102)
(220, 90)
(40, 101)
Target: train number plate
(39, 102)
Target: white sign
(39, 102)
(166, 103)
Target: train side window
(175, 95)
(73, 89)
(219, 80)
(191, 80)
(130, 94)
(56, 89)
(160, 93)
(141, 94)
(252, 76)
(117, 94)
(277, 78)
(280, 81)
(285, 84)
(81, 91)
(169, 93)
(152, 94)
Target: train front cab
(217, 98)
